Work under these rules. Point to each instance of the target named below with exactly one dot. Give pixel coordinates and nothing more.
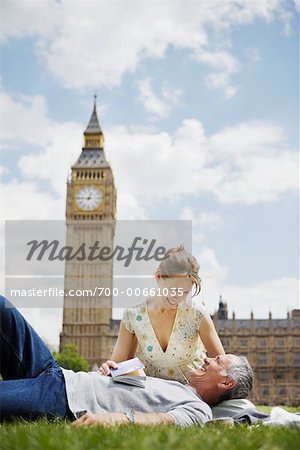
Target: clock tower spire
(93, 136)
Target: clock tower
(90, 223)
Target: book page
(126, 367)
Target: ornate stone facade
(273, 349)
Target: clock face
(89, 198)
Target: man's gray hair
(242, 374)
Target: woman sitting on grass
(170, 332)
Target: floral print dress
(185, 349)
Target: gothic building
(273, 349)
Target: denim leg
(23, 354)
(32, 398)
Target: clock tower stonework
(90, 223)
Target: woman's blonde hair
(178, 261)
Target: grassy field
(43, 435)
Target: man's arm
(153, 419)
(114, 419)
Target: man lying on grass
(35, 386)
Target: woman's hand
(105, 367)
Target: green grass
(43, 435)
(267, 409)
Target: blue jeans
(34, 384)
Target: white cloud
(200, 222)
(253, 54)
(204, 219)
(224, 65)
(53, 161)
(3, 170)
(25, 200)
(277, 296)
(19, 18)
(245, 163)
(89, 44)
(221, 80)
(258, 164)
(297, 4)
(32, 124)
(221, 61)
(211, 269)
(158, 105)
(129, 208)
(53, 142)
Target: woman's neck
(157, 304)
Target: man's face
(211, 378)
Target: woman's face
(173, 290)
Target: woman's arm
(126, 345)
(125, 348)
(210, 338)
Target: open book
(130, 372)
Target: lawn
(43, 435)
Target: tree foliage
(69, 358)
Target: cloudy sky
(198, 101)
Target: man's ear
(226, 384)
